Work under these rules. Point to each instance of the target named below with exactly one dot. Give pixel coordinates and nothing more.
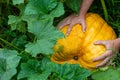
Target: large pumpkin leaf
(40, 6)
(58, 11)
(40, 46)
(65, 71)
(44, 7)
(36, 9)
(74, 5)
(32, 71)
(43, 29)
(47, 70)
(72, 72)
(109, 74)
(46, 37)
(8, 63)
(39, 15)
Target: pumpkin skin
(78, 47)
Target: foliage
(8, 63)
(41, 70)
(28, 34)
(109, 74)
(73, 5)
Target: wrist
(117, 43)
(81, 16)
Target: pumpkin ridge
(98, 30)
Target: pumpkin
(78, 47)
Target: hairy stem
(104, 10)
(8, 43)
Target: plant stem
(104, 10)
(35, 38)
(8, 43)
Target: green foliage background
(28, 33)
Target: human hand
(111, 50)
(71, 21)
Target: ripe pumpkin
(78, 47)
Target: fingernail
(94, 60)
(83, 30)
(95, 42)
(96, 66)
(67, 34)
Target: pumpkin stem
(75, 57)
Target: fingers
(103, 56)
(103, 62)
(99, 42)
(107, 55)
(71, 21)
(65, 22)
(69, 29)
(61, 25)
(72, 24)
(83, 27)
(107, 43)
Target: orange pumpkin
(78, 47)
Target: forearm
(117, 43)
(84, 7)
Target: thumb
(99, 42)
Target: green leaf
(65, 71)
(8, 63)
(21, 8)
(17, 1)
(44, 8)
(40, 6)
(21, 27)
(39, 15)
(74, 5)
(72, 72)
(13, 21)
(109, 74)
(81, 74)
(43, 29)
(46, 35)
(41, 46)
(32, 71)
(16, 23)
(58, 11)
(47, 70)
(20, 41)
